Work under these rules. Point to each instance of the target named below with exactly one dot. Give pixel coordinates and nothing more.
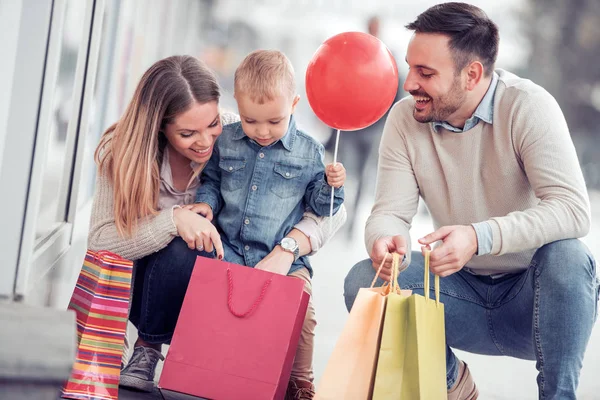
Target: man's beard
(443, 106)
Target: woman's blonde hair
(130, 151)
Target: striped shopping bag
(101, 302)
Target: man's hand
(459, 245)
(202, 209)
(277, 261)
(382, 248)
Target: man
(491, 156)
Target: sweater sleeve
(397, 192)
(321, 229)
(543, 143)
(153, 233)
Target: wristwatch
(291, 246)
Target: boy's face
(268, 122)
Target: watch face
(288, 243)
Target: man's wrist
(484, 238)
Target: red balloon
(351, 81)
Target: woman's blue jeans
(545, 313)
(161, 280)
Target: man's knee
(565, 261)
(359, 276)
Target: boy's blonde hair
(263, 75)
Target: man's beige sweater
(520, 174)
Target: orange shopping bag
(350, 372)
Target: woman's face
(193, 132)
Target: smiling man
(491, 155)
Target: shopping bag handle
(393, 285)
(256, 303)
(426, 280)
(105, 254)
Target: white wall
(10, 16)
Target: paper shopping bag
(350, 371)
(412, 356)
(101, 302)
(236, 335)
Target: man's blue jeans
(545, 313)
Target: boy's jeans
(545, 313)
(302, 368)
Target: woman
(148, 166)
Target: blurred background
(70, 66)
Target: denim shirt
(258, 193)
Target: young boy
(263, 174)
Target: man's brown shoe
(300, 390)
(464, 388)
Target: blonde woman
(148, 167)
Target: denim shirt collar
(287, 141)
(483, 112)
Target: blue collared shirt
(484, 112)
(259, 193)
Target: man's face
(438, 91)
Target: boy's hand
(336, 175)
(202, 209)
(277, 261)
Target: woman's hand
(198, 232)
(277, 261)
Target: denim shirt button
(246, 221)
(262, 155)
(287, 174)
(246, 247)
(231, 168)
(254, 187)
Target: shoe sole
(132, 382)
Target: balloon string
(337, 142)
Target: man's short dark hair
(473, 36)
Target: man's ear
(295, 103)
(474, 74)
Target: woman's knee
(178, 254)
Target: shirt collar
(166, 174)
(287, 141)
(483, 112)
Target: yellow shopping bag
(412, 356)
(350, 370)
